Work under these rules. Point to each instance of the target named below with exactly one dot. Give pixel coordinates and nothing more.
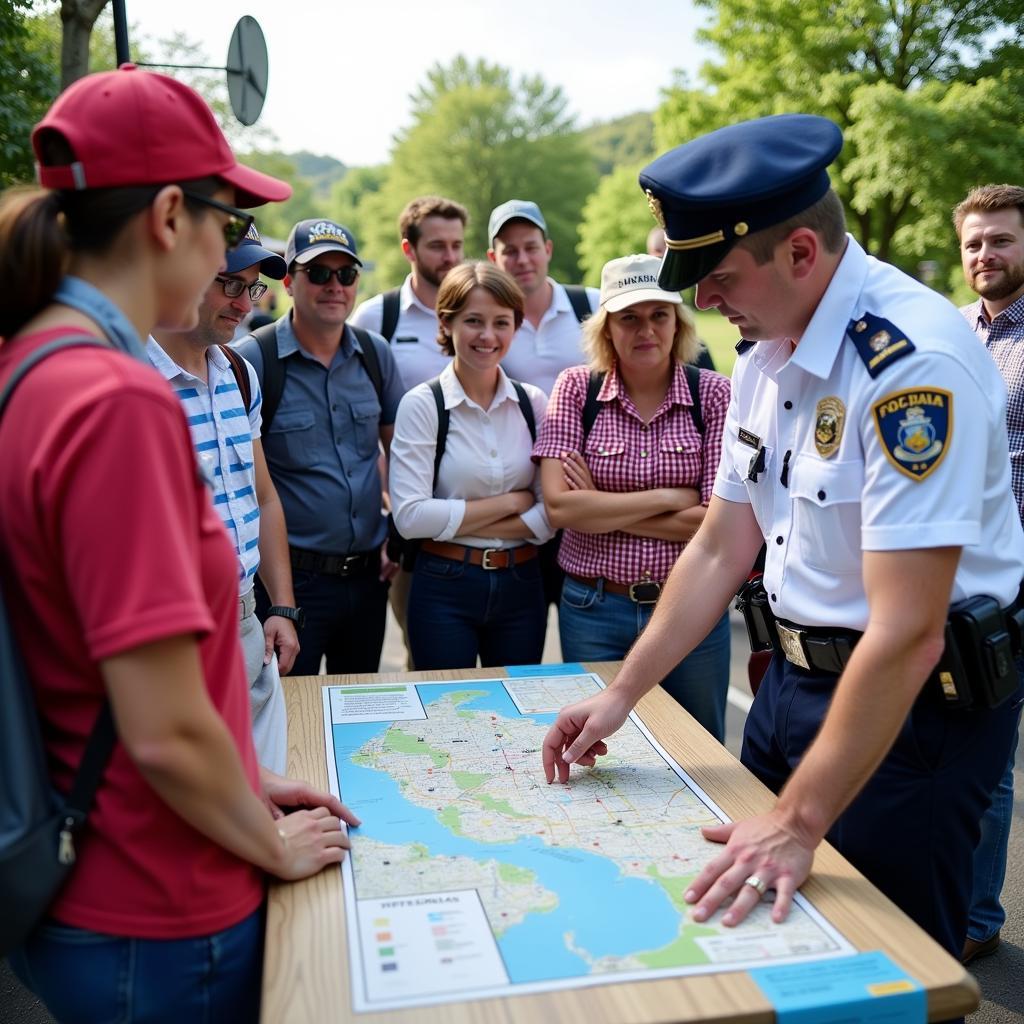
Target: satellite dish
(247, 70)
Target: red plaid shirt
(625, 454)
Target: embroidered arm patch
(915, 427)
(880, 343)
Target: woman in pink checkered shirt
(630, 492)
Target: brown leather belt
(487, 558)
(642, 592)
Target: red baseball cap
(130, 127)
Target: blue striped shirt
(222, 432)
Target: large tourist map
(472, 877)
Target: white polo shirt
(539, 354)
(417, 354)
(913, 457)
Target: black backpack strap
(693, 381)
(389, 313)
(526, 408)
(591, 407)
(274, 369)
(370, 359)
(704, 360)
(443, 418)
(579, 300)
(241, 372)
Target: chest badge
(915, 427)
(829, 418)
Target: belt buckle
(637, 597)
(348, 564)
(485, 559)
(792, 643)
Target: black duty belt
(824, 650)
(334, 565)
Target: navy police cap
(710, 192)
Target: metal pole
(120, 32)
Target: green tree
(28, 83)
(616, 221)
(275, 220)
(930, 96)
(481, 137)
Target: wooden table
(306, 969)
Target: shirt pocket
(826, 512)
(290, 438)
(366, 427)
(607, 462)
(681, 461)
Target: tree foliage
(480, 137)
(616, 221)
(624, 140)
(930, 96)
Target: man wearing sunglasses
(226, 434)
(331, 393)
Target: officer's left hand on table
(766, 847)
(280, 792)
(279, 635)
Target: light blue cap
(514, 209)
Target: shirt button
(643, 455)
(774, 598)
(778, 540)
(494, 454)
(821, 495)
(334, 407)
(337, 440)
(787, 405)
(601, 450)
(679, 447)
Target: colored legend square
(435, 917)
(381, 922)
(383, 936)
(438, 929)
(389, 967)
(386, 951)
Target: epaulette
(880, 343)
(742, 345)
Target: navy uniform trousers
(913, 828)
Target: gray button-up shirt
(321, 446)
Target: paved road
(1001, 975)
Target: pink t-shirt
(110, 542)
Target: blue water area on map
(607, 913)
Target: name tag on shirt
(748, 438)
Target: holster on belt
(758, 617)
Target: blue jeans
(987, 915)
(596, 626)
(459, 611)
(84, 977)
(345, 617)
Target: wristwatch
(297, 615)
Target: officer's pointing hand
(578, 732)
(760, 853)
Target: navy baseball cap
(251, 250)
(712, 191)
(514, 209)
(311, 238)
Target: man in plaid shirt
(990, 226)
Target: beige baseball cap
(632, 279)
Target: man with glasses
(222, 402)
(331, 392)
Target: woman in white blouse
(476, 588)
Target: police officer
(866, 445)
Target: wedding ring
(755, 883)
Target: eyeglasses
(321, 274)
(236, 228)
(233, 288)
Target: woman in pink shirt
(119, 578)
(628, 475)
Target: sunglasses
(233, 288)
(320, 274)
(236, 228)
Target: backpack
(241, 374)
(402, 549)
(275, 368)
(578, 299)
(38, 825)
(591, 406)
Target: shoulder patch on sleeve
(915, 427)
(880, 343)
(743, 345)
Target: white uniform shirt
(539, 354)
(417, 353)
(487, 452)
(861, 496)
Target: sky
(341, 73)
